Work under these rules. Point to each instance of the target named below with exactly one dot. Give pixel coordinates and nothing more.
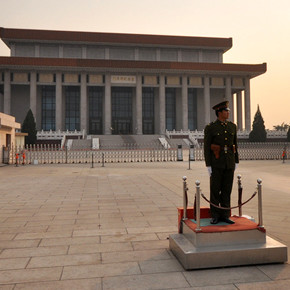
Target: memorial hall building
(115, 83)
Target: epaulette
(209, 124)
(232, 123)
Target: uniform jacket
(223, 134)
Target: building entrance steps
(222, 245)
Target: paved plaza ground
(77, 227)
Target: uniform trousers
(221, 182)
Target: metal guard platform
(223, 245)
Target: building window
(192, 109)
(48, 108)
(95, 52)
(72, 51)
(170, 108)
(49, 50)
(148, 110)
(123, 53)
(95, 110)
(122, 110)
(168, 54)
(72, 108)
(147, 54)
(24, 50)
(189, 55)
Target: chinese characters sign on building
(123, 79)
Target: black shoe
(227, 220)
(214, 221)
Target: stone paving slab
(233, 275)
(146, 281)
(30, 275)
(69, 241)
(76, 227)
(103, 270)
(33, 252)
(283, 284)
(276, 272)
(129, 256)
(82, 284)
(100, 248)
(13, 263)
(64, 260)
(129, 238)
(19, 244)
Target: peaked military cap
(221, 106)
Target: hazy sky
(260, 30)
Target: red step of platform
(241, 223)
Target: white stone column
(139, 105)
(108, 106)
(239, 111)
(247, 105)
(33, 95)
(206, 97)
(184, 94)
(229, 97)
(84, 103)
(162, 112)
(7, 93)
(58, 103)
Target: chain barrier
(228, 208)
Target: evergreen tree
(282, 127)
(258, 133)
(29, 126)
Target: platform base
(211, 250)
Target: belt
(227, 148)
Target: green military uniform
(222, 160)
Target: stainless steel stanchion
(260, 211)
(185, 198)
(197, 183)
(240, 193)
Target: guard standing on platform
(221, 159)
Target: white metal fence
(51, 154)
(55, 154)
(244, 134)
(256, 151)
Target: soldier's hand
(209, 170)
(236, 166)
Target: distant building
(110, 83)
(8, 134)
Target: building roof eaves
(66, 63)
(12, 34)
